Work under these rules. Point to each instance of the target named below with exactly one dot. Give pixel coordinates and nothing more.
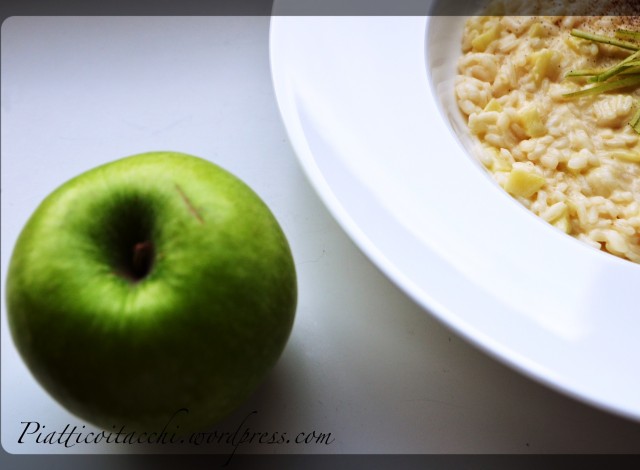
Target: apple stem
(142, 259)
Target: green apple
(151, 284)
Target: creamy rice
(573, 162)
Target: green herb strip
(625, 73)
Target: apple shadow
(273, 406)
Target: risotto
(572, 160)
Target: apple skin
(119, 343)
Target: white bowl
(368, 104)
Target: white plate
(368, 105)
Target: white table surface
(363, 363)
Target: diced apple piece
(482, 41)
(532, 122)
(537, 31)
(493, 105)
(544, 64)
(523, 183)
(563, 224)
